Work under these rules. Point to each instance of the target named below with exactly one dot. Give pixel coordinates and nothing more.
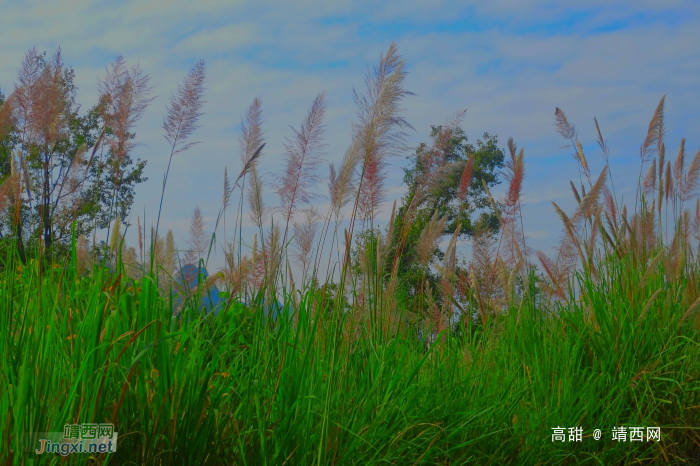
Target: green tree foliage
(70, 168)
(443, 184)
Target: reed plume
(258, 212)
(22, 102)
(432, 231)
(226, 197)
(304, 234)
(465, 181)
(303, 156)
(125, 94)
(564, 128)
(251, 137)
(8, 119)
(655, 132)
(251, 144)
(170, 256)
(650, 178)
(115, 241)
(198, 238)
(181, 118)
(678, 169)
(692, 177)
(378, 132)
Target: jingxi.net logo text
(76, 438)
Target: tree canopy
(59, 168)
(445, 181)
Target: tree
(71, 169)
(445, 190)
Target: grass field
(328, 390)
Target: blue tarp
(193, 275)
(210, 300)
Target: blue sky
(508, 63)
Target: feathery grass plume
(692, 177)
(381, 258)
(181, 118)
(236, 272)
(340, 184)
(483, 261)
(257, 264)
(465, 181)
(514, 173)
(157, 248)
(25, 95)
(184, 110)
(228, 189)
(303, 157)
(447, 272)
(42, 117)
(695, 225)
(568, 131)
(7, 116)
(131, 262)
(125, 94)
(432, 231)
(661, 189)
(226, 197)
(560, 270)
(170, 259)
(7, 191)
(257, 208)
(272, 261)
(251, 144)
(679, 169)
(116, 239)
(650, 178)
(601, 142)
(641, 237)
(48, 120)
(372, 194)
(304, 234)
(606, 156)
(258, 212)
(83, 257)
(198, 238)
(570, 227)
(251, 137)
(564, 128)
(378, 132)
(575, 191)
(655, 132)
(610, 206)
(668, 185)
(582, 159)
(436, 162)
(590, 202)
